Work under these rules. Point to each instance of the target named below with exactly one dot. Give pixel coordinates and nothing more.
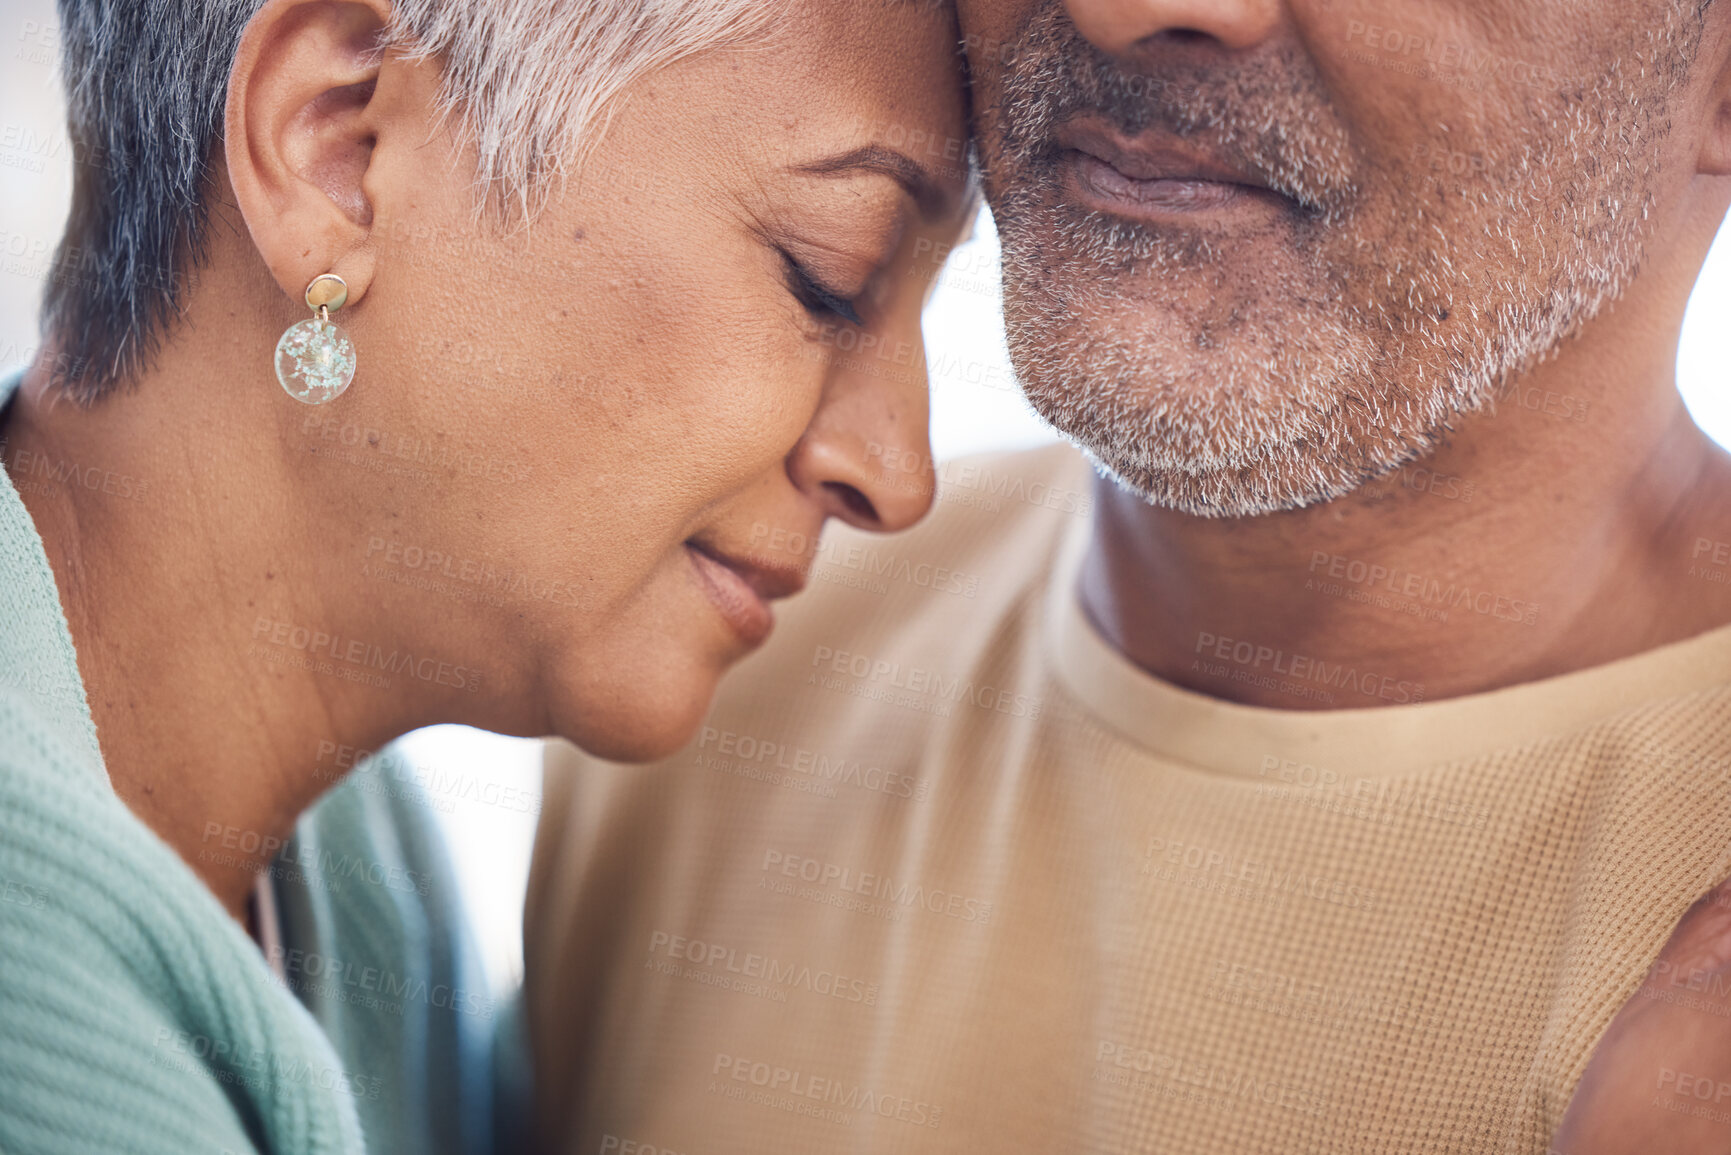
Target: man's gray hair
(528, 83)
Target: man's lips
(1154, 179)
(742, 590)
(1157, 194)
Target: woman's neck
(193, 572)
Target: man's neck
(1559, 532)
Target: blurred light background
(975, 407)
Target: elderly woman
(417, 361)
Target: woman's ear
(299, 132)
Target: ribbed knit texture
(137, 1016)
(945, 873)
(375, 944)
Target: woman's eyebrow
(920, 183)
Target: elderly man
(1329, 774)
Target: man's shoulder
(1027, 485)
(988, 493)
(992, 531)
(934, 603)
(895, 636)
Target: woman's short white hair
(528, 82)
(533, 80)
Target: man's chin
(1218, 422)
(1212, 460)
(1218, 495)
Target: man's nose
(1117, 27)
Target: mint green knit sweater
(135, 1015)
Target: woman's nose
(866, 457)
(1118, 26)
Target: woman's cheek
(744, 438)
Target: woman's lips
(732, 593)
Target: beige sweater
(944, 873)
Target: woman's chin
(637, 688)
(644, 727)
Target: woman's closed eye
(818, 300)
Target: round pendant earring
(315, 360)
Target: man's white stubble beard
(1220, 394)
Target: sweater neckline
(1228, 738)
(35, 642)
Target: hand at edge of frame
(1659, 1082)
